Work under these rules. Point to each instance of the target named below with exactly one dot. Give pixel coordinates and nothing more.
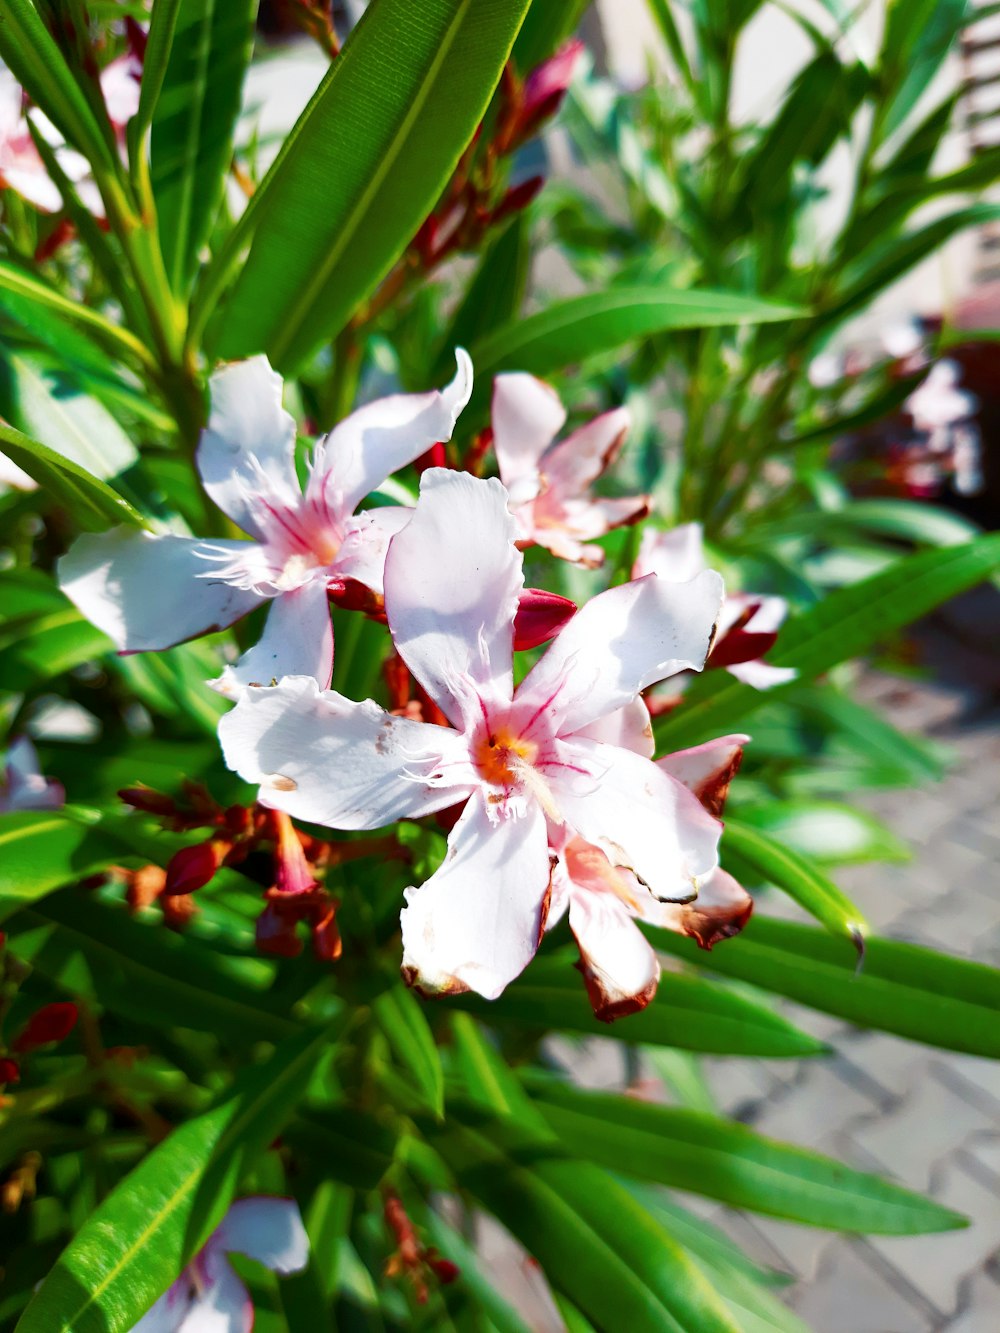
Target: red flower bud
(327, 944)
(435, 456)
(540, 616)
(192, 867)
(9, 1072)
(443, 1269)
(517, 198)
(276, 934)
(53, 1023)
(144, 798)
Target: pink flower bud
(540, 616)
(53, 1023)
(192, 867)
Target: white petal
(769, 616)
(573, 464)
(620, 642)
(707, 770)
(721, 910)
(120, 87)
(34, 186)
(381, 437)
(620, 969)
(26, 788)
(147, 591)
(269, 1230)
(677, 555)
(761, 675)
(476, 923)
(640, 818)
(223, 1307)
(297, 641)
(452, 581)
(12, 475)
(629, 727)
(347, 765)
(527, 416)
(248, 447)
(366, 542)
(169, 1312)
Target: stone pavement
(926, 1118)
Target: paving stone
(936, 1265)
(741, 1085)
(813, 1112)
(980, 1308)
(920, 1131)
(593, 1062)
(973, 1078)
(516, 1275)
(849, 1295)
(893, 1063)
(980, 1156)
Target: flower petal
(761, 675)
(248, 447)
(347, 765)
(12, 475)
(476, 923)
(639, 817)
(149, 592)
(366, 542)
(223, 1306)
(630, 727)
(620, 969)
(721, 910)
(676, 555)
(297, 641)
(26, 787)
(574, 463)
(267, 1229)
(167, 1315)
(381, 437)
(707, 770)
(452, 581)
(620, 642)
(527, 416)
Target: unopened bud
(9, 1071)
(540, 616)
(192, 867)
(53, 1023)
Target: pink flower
(209, 1297)
(549, 483)
(749, 623)
(603, 901)
(149, 591)
(23, 787)
(521, 762)
(546, 86)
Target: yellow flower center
(503, 757)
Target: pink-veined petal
(721, 910)
(620, 969)
(761, 675)
(620, 642)
(452, 581)
(639, 817)
(297, 641)
(366, 542)
(707, 770)
(149, 592)
(381, 437)
(224, 1305)
(526, 417)
(346, 765)
(26, 787)
(676, 555)
(476, 923)
(267, 1229)
(572, 465)
(248, 446)
(629, 727)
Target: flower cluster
(546, 778)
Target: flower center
(503, 758)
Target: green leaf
(363, 167)
(864, 731)
(917, 38)
(724, 1160)
(36, 61)
(192, 127)
(795, 875)
(37, 646)
(567, 332)
(134, 1245)
(687, 1012)
(595, 1243)
(41, 850)
(845, 624)
(828, 831)
(902, 988)
(92, 504)
(401, 1017)
(159, 44)
(544, 30)
(148, 974)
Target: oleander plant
(413, 669)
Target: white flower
(149, 592)
(521, 762)
(209, 1297)
(23, 786)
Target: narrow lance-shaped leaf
(363, 167)
(40, 850)
(92, 503)
(137, 1241)
(797, 876)
(403, 1020)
